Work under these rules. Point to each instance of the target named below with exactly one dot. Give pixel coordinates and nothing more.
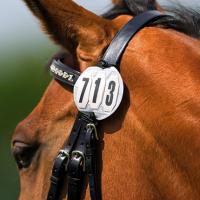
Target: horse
(151, 144)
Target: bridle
(78, 159)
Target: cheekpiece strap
(67, 153)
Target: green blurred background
(24, 52)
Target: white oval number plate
(99, 91)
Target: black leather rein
(78, 159)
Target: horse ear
(72, 26)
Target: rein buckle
(93, 128)
(65, 155)
(79, 156)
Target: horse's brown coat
(151, 145)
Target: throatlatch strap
(119, 43)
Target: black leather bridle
(78, 159)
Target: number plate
(99, 91)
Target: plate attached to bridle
(99, 90)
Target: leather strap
(91, 164)
(63, 158)
(63, 73)
(119, 43)
(76, 172)
(57, 176)
(77, 165)
(75, 178)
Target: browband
(63, 72)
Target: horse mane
(183, 19)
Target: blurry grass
(23, 79)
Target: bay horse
(151, 145)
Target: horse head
(151, 144)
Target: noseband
(78, 160)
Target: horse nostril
(23, 153)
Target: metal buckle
(79, 155)
(65, 154)
(93, 127)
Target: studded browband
(78, 159)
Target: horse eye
(23, 154)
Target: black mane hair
(182, 18)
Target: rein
(78, 159)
